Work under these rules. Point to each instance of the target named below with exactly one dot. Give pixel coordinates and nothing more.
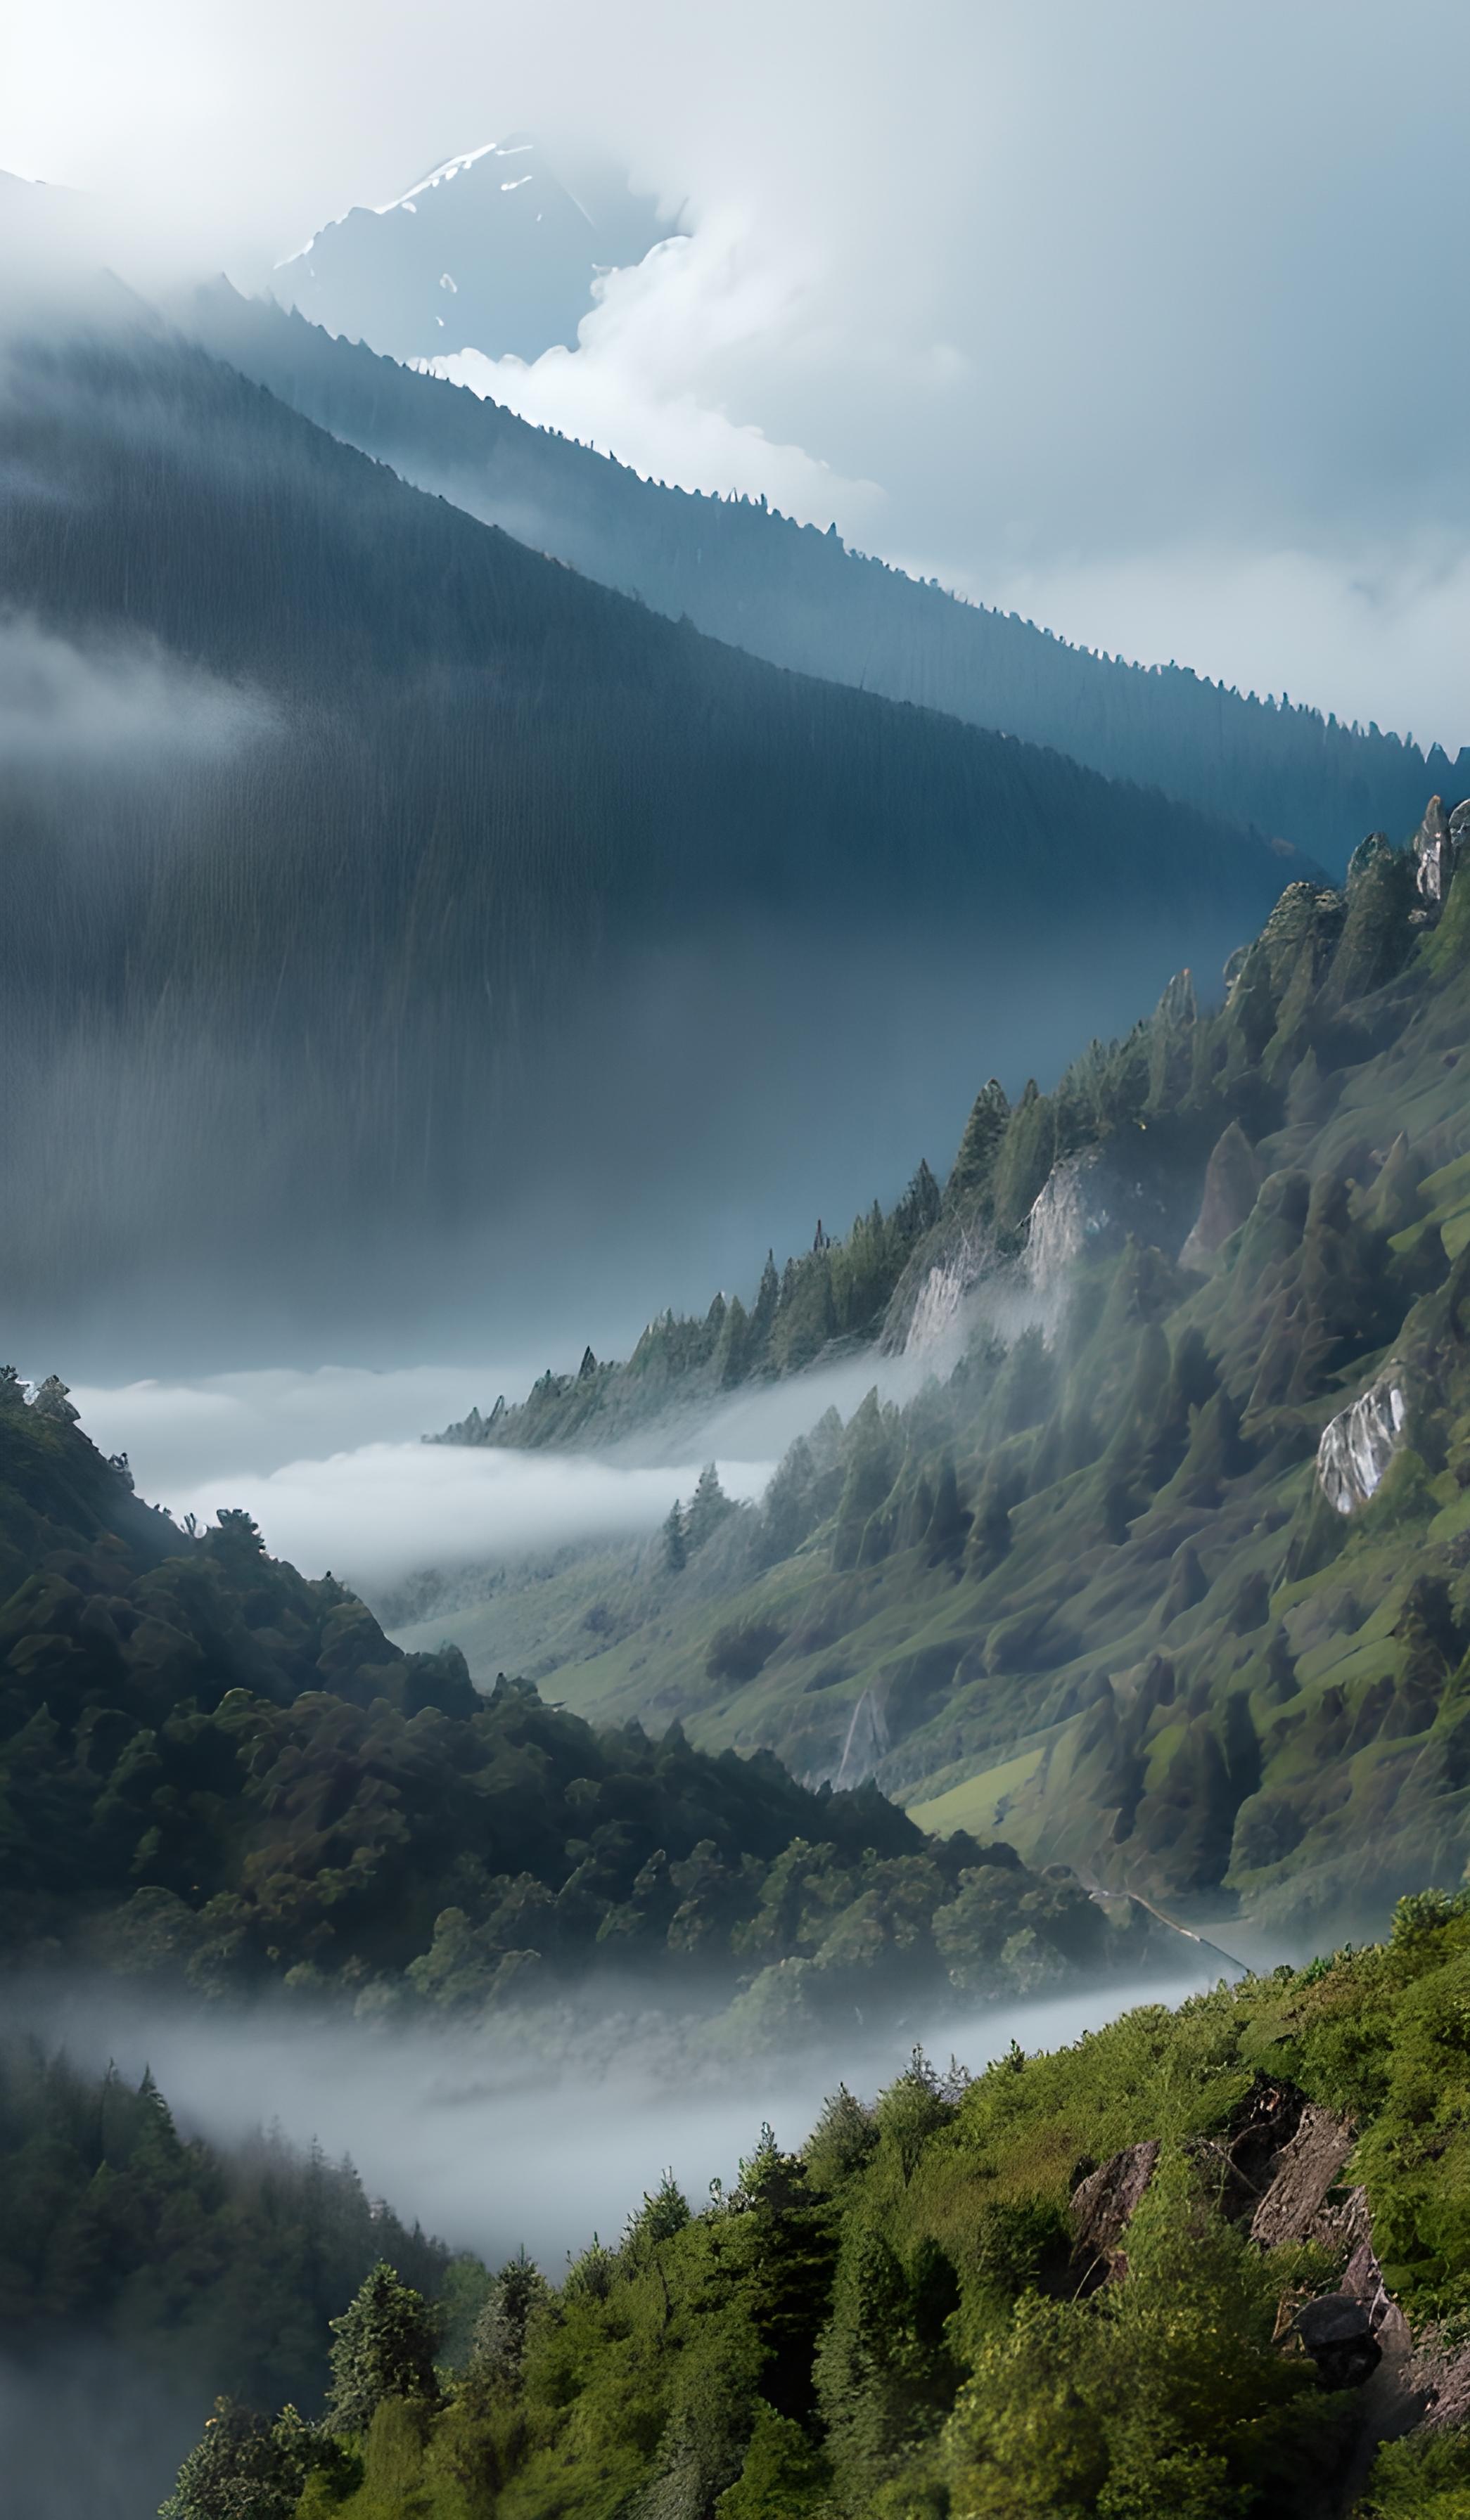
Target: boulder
(1338, 2335)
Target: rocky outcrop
(52, 1400)
(1103, 2205)
(1304, 2173)
(1232, 1178)
(1357, 1444)
(1072, 1207)
(939, 1302)
(1439, 843)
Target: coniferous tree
(708, 1508)
(382, 2347)
(974, 1164)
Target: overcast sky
(1147, 318)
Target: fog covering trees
(1091, 1588)
(796, 595)
(218, 1776)
(1081, 2283)
(413, 945)
(222, 2268)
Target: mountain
(378, 882)
(1167, 1578)
(217, 1776)
(1206, 2263)
(799, 597)
(493, 250)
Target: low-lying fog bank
(492, 2148)
(332, 1466)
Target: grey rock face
(1303, 2175)
(51, 1400)
(1436, 845)
(1358, 1444)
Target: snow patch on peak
(446, 174)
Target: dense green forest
(218, 1776)
(1163, 1579)
(218, 2268)
(1198, 2267)
(797, 596)
(416, 939)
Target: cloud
(487, 2141)
(112, 705)
(1143, 297)
(637, 384)
(387, 1510)
(383, 1504)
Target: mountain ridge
(799, 597)
(488, 837)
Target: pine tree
(707, 1508)
(382, 2347)
(762, 1319)
(518, 2291)
(675, 1545)
(974, 1164)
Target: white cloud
(489, 2146)
(651, 358)
(372, 1502)
(1138, 303)
(389, 1510)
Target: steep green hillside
(797, 596)
(1196, 2268)
(402, 923)
(1092, 1588)
(219, 1776)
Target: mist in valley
(541, 2133)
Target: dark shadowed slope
(406, 877)
(799, 597)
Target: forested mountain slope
(1208, 2266)
(1168, 1577)
(218, 1776)
(417, 856)
(799, 597)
